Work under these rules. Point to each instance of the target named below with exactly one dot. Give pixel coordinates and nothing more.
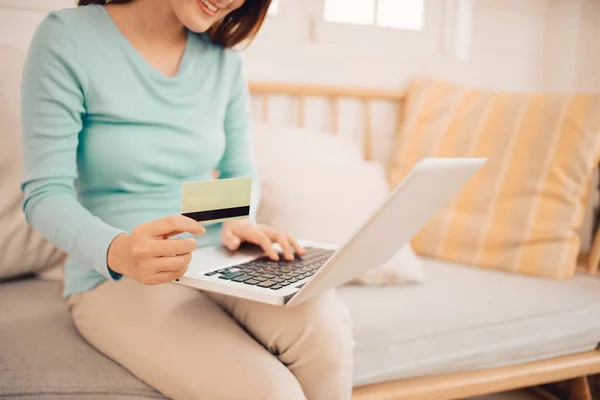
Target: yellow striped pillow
(521, 213)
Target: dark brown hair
(236, 27)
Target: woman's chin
(198, 26)
(197, 21)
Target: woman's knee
(270, 384)
(288, 389)
(326, 329)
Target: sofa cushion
(466, 318)
(22, 250)
(522, 212)
(462, 319)
(42, 355)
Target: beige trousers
(193, 345)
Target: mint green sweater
(108, 140)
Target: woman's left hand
(233, 233)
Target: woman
(123, 102)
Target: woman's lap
(184, 344)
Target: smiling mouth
(209, 7)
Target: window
(274, 8)
(399, 14)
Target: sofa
(462, 320)
(465, 331)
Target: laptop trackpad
(211, 257)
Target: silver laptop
(249, 274)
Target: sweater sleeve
(53, 106)
(238, 159)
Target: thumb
(230, 240)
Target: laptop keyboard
(275, 275)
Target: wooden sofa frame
(575, 368)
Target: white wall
(507, 49)
(562, 44)
(573, 49)
(588, 60)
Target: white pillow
(327, 202)
(290, 144)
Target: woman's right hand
(149, 255)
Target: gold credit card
(217, 200)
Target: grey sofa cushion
(43, 356)
(467, 318)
